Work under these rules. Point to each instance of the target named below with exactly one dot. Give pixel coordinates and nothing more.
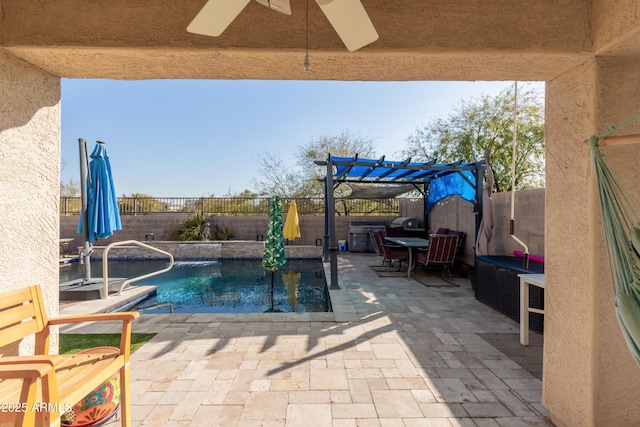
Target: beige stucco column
(589, 377)
(29, 181)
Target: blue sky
(182, 138)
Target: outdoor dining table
(411, 243)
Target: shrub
(219, 233)
(192, 228)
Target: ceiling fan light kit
(348, 18)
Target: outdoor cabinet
(359, 239)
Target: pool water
(226, 286)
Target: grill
(359, 240)
(404, 222)
(399, 226)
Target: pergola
(435, 181)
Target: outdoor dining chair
(441, 253)
(390, 253)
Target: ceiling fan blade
(351, 22)
(282, 6)
(215, 16)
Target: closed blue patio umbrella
(100, 215)
(486, 224)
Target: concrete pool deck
(395, 352)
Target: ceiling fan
(348, 18)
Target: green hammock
(621, 221)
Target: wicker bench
(37, 388)
(498, 286)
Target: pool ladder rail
(105, 265)
(162, 304)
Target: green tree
(141, 203)
(484, 124)
(71, 188)
(230, 204)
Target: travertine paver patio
(401, 354)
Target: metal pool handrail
(105, 265)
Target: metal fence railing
(237, 206)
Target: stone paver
(394, 353)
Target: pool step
(113, 303)
(81, 290)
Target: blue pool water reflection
(227, 286)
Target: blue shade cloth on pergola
(452, 185)
(621, 221)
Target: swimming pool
(225, 286)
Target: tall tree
(276, 177)
(487, 124)
(346, 144)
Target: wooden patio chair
(440, 253)
(41, 387)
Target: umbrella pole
(85, 255)
(272, 273)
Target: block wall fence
(453, 213)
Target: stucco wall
(569, 319)
(589, 377)
(617, 376)
(29, 181)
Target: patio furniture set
(439, 250)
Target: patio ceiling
(489, 40)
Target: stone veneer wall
(206, 250)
